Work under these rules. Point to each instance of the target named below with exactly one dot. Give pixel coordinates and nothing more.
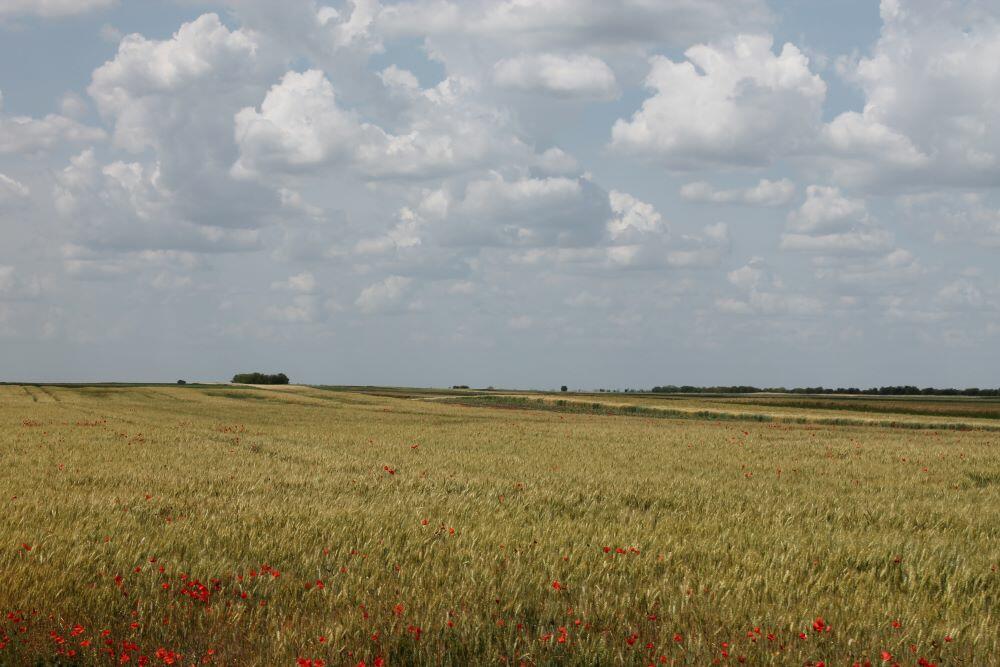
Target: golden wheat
(241, 526)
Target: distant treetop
(260, 378)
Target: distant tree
(260, 378)
(563, 388)
(182, 382)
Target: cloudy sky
(524, 193)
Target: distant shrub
(460, 386)
(182, 382)
(564, 388)
(260, 378)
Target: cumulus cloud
(12, 192)
(547, 211)
(405, 234)
(567, 24)
(300, 124)
(385, 295)
(24, 135)
(929, 86)
(961, 294)
(871, 273)
(304, 282)
(176, 98)
(765, 193)
(827, 210)
(632, 216)
(303, 309)
(52, 8)
(575, 76)
(557, 162)
(125, 206)
(730, 103)
(145, 88)
(765, 294)
(830, 223)
(953, 217)
(701, 251)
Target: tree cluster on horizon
(260, 378)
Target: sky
(516, 193)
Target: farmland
(316, 526)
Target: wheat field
(303, 526)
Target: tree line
(260, 378)
(899, 390)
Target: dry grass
(438, 531)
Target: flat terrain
(274, 526)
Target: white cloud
(897, 267)
(586, 299)
(552, 210)
(406, 233)
(126, 206)
(929, 86)
(830, 223)
(771, 303)
(765, 294)
(532, 25)
(827, 210)
(303, 309)
(111, 34)
(701, 251)
(557, 162)
(861, 135)
(632, 215)
(385, 295)
(73, 105)
(765, 193)
(12, 192)
(965, 217)
(24, 135)
(851, 242)
(172, 101)
(575, 76)
(752, 275)
(733, 103)
(52, 8)
(960, 294)
(404, 80)
(150, 83)
(303, 282)
(299, 125)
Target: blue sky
(529, 193)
